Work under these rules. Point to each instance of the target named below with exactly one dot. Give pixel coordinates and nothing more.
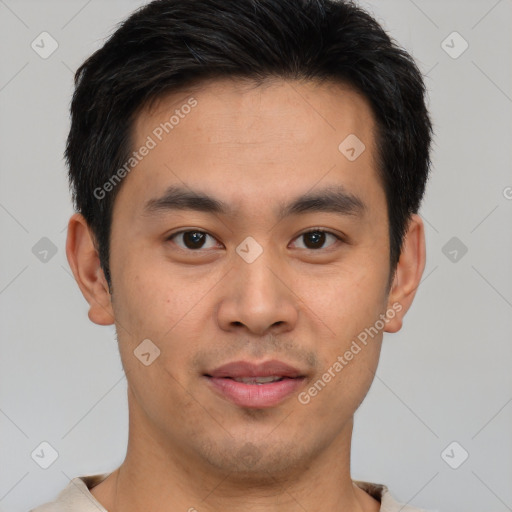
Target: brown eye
(315, 239)
(191, 240)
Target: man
(247, 177)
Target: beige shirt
(77, 498)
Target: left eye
(316, 238)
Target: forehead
(269, 109)
(269, 139)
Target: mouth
(256, 386)
(257, 380)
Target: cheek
(346, 375)
(357, 375)
(155, 306)
(152, 298)
(167, 308)
(346, 308)
(346, 300)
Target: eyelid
(321, 230)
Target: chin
(258, 462)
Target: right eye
(192, 240)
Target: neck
(160, 477)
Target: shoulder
(388, 503)
(76, 497)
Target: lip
(255, 396)
(240, 369)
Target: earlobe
(408, 273)
(85, 264)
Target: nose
(258, 298)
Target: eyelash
(312, 230)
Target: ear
(85, 263)
(408, 273)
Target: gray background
(445, 377)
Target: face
(257, 283)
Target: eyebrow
(330, 199)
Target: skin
(252, 147)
